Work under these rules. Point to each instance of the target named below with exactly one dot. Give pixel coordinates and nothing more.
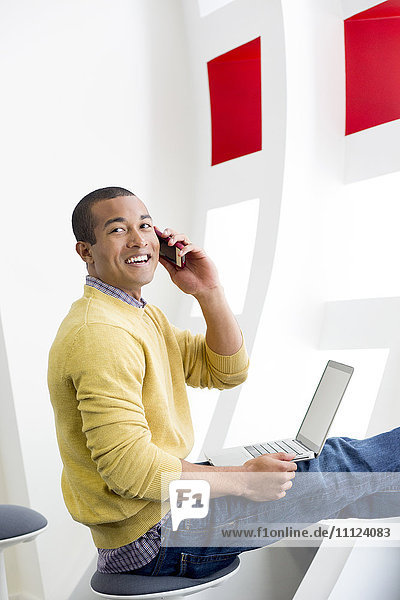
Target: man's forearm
(223, 334)
(266, 477)
(224, 481)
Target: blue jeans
(350, 478)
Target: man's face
(126, 251)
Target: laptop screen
(323, 406)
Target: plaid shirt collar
(114, 292)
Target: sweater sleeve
(107, 367)
(205, 368)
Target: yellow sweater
(117, 378)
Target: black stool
(141, 587)
(17, 524)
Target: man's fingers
(164, 233)
(168, 231)
(287, 485)
(183, 239)
(284, 455)
(285, 464)
(284, 477)
(174, 237)
(190, 248)
(272, 486)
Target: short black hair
(82, 219)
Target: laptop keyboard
(281, 446)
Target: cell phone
(171, 253)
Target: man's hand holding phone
(199, 274)
(170, 249)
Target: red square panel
(372, 40)
(235, 97)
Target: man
(117, 377)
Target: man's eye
(145, 225)
(117, 229)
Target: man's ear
(84, 249)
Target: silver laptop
(314, 429)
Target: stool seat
(143, 587)
(17, 522)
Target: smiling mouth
(138, 260)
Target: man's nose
(136, 238)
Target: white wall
(89, 100)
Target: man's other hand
(269, 476)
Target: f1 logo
(189, 500)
